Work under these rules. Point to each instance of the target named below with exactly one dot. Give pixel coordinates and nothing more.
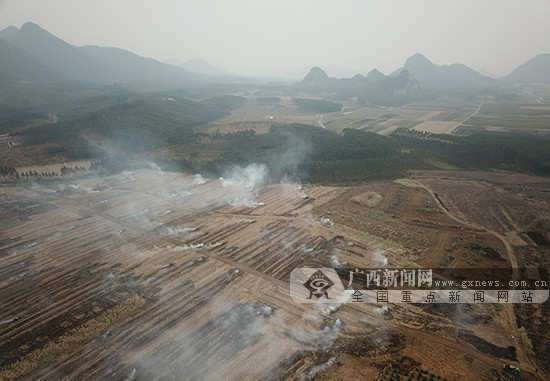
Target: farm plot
(519, 118)
(258, 116)
(443, 122)
(435, 117)
(152, 275)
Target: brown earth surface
(151, 275)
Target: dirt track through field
(508, 309)
(509, 249)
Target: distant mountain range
(536, 70)
(419, 77)
(17, 65)
(453, 77)
(331, 70)
(35, 55)
(316, 76)
(199, 66)
(375, 88)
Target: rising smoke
(241, 185)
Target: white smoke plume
(242, 185)
(199, 179)
(155, 167)
(198, 246)
(382, 310)
(74, 189)
(326, 221)
(175, 231)
(380, 256)
(236, 220)
(336, 261)
(297, 189)
(310, 375)
(328, 334)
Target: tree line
(505, 151)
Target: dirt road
(510, 317)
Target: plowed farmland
(156, 275)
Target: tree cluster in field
(518, 153)
(111, 164)
(70, 171)
(321, 156)
(8, 173)
(310, 153)
(35, 174)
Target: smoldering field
(209, 256)
(156, 275)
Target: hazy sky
(261, 37)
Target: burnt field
(156, 275)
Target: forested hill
(135, 126)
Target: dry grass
(73, 339)
(408, 183)
(526, 343)
(369, 199)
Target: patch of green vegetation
(525, 154)
(429, 211)
(268, 100)
(478, 246)
(396, 203)
(339, 125)
(457, 241)
(73, 339)
(498, 170)
(394, 372)
(511, 117)
(135, 126)
(449, 258)
(135, 123)
(226, 102)
(442, 165)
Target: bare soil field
(258, 117)
(150, 275)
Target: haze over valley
(167, 218)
